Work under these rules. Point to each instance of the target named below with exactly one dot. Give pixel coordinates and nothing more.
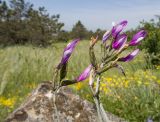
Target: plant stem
(54, 102)
(98, 109)
(105, 117)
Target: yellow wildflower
(126, 83)
(153, 77)
(139, 82)
(158, 81)
(103, 85)
(109, 79)
(106, 90)
(7, 102)
(79, 86)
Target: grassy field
(135, 97)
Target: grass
(135, 97)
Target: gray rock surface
(68, 107)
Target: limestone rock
(68, 107)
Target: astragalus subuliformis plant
(113, 43)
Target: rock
(68, 107)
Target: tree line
(21, 23)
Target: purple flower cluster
(120, 40)
(118, 43)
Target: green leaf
(92, 57)
(63, 71)
(68, 82)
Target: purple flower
(149, 119)
(119, 42)
(138, 37)
(68, 51)
(118, 28)
(106, 36)
(130, 56)
(85, 74)
(71, 44)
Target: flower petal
(119, 42)
(71, 44)
(106, 36)
(130, 56)
(85, 74)
(118, 28)
(66, 55)
(138, 37)
(67, 52)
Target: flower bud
(106, 36)
(119, 42)
(118, 28)
(85, 74)
(67, 52)
(129, 57)
(138, 37)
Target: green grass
(23, 67)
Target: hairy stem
(96, 100)
(100, 110)
(105, 117)
(54, 102)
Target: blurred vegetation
(152, 42)
(134, 97)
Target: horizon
(94, 15)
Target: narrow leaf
(63, 71)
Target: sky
(101, 13)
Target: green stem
(96, 99)
(54, 102)
(98, 109)
(105, 117)
(116, 55)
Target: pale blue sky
(100, 13)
